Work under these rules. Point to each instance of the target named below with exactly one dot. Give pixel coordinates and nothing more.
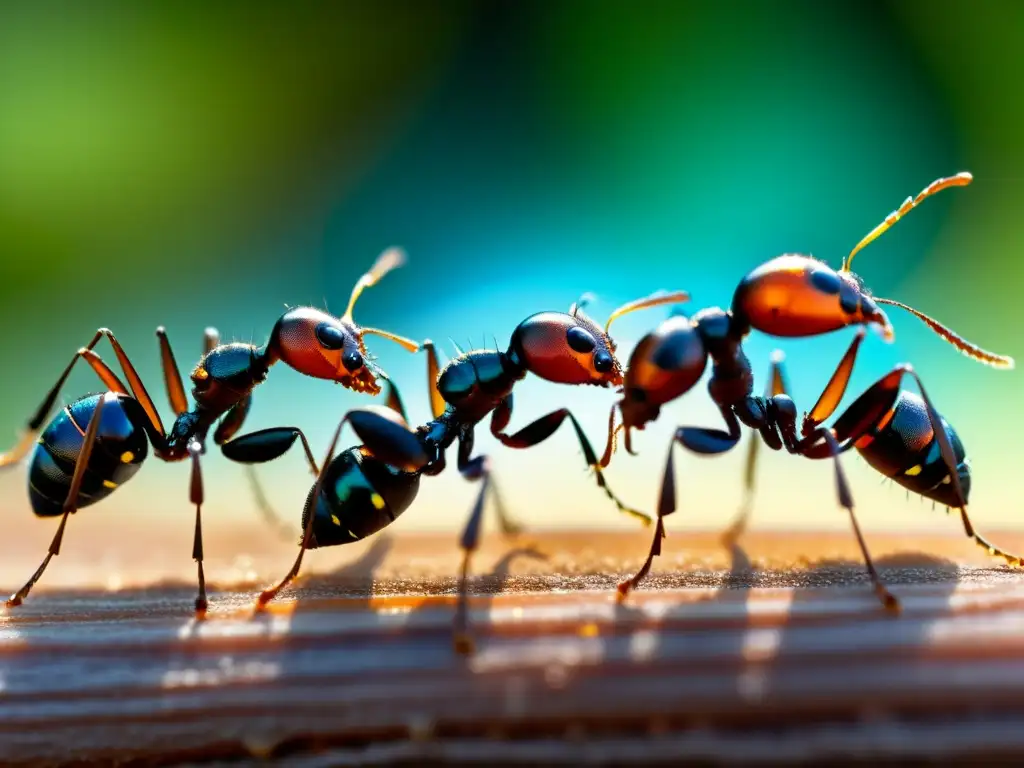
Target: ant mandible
(365, 488)
(899, 433)
(98, 442)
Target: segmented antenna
(960, 180)
(654, 300)
(391, 259)
(966, 347)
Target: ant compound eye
(580, 340)
(352, 360)
(330, 336)
(603, 362)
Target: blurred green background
(195, 164)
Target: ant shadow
(405, 631)
(739, 650)
(640, 645)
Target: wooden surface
(773, 649)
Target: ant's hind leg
(35, 423)
(949, 459)
(70, 503)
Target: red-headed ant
(98, 442)
(365, 488)
(898, 432)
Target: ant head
(666, 364)
(799, 296)
(566, 349)
(326, 347)
(796, 295)
(570, 348)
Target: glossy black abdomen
(904, 448)
(121, 446)
(360, 496)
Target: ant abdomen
(359, 496)
(121, 447)
(903, 446)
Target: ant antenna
(391, 259)
(581, 303)
(654, 300)
(960, 180)
(966, 347)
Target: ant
(365, 488)
(98, 442)
(899, 433)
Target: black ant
(98, 442)
(899, 433)
(365, 488)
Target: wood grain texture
(729, 656)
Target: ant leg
(437, 402)
(477, 468)
(949, 459)
(270, 515)
(873, 407)
(28, 438)
(172, 376)
(70, 503)
(472, 469)
(269, 594)
(708, 442)
(196, 497)
(256, 448)
(833, 393)
(229, 425)
(541, 429)
(393, 399)
(889, 600)
(769, 434)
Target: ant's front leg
(437, 402)
(776, 419)
(541, 429)
(700, 440)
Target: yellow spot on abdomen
(913, 471)
(127, 457)
(109, 484)
(335, 520)
(377, 501)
